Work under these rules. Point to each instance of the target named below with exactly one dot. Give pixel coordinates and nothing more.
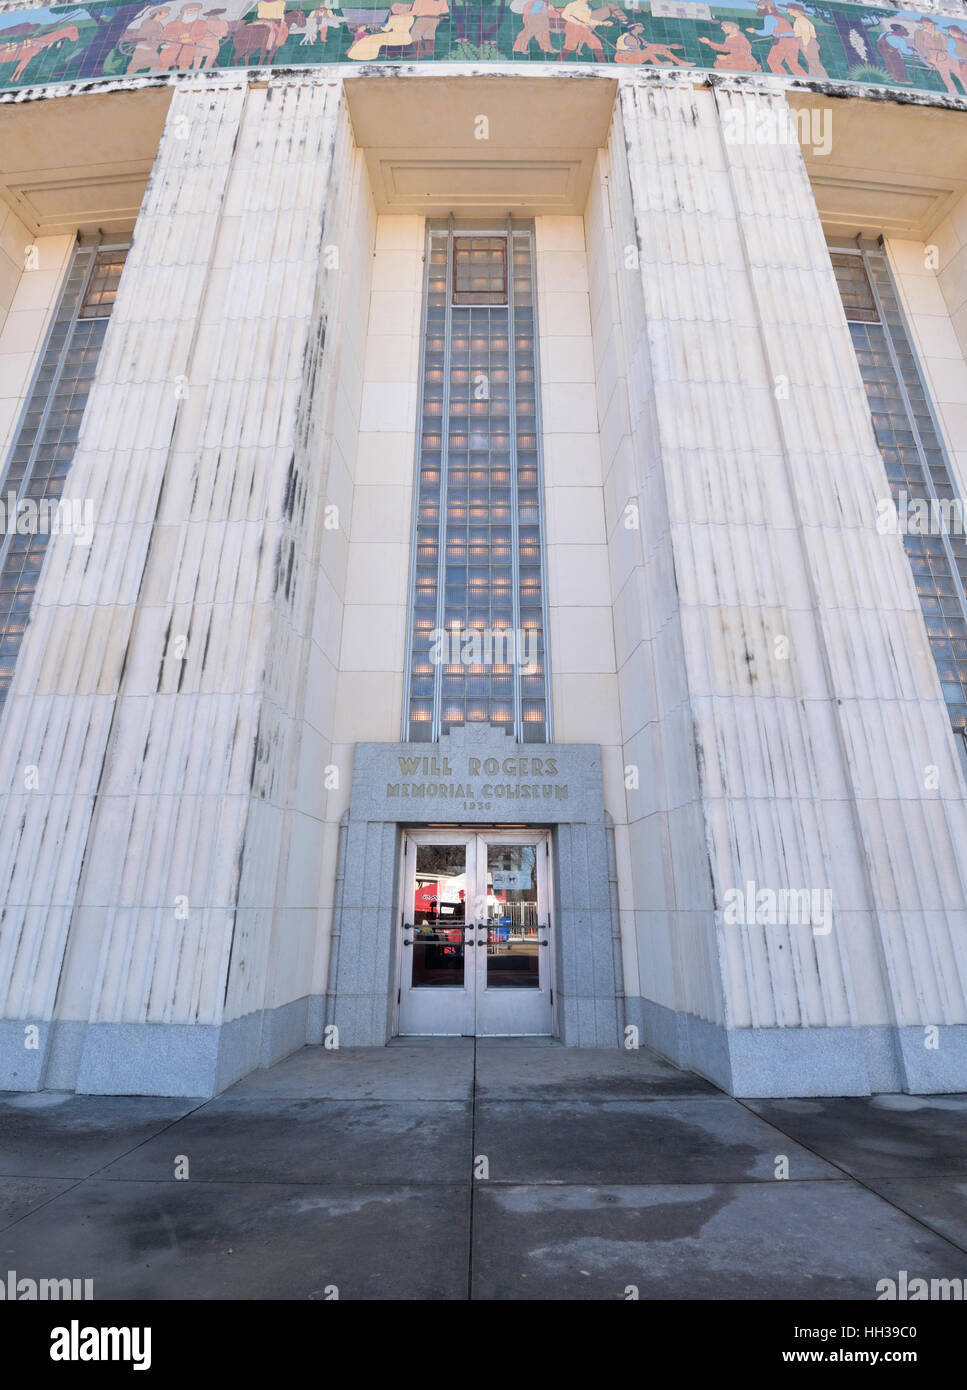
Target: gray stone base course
(153, 1059)
(806, 1061)
(156, 1059)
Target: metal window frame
(441, 556)
(93, 244)
(509, 229)
(864, 248)
(531, 232)
(417, 482)
(864, 251)
(514, 496)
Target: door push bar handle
(484, 941)
(408, 941)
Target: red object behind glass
(425, 905)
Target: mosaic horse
(264, 38)
(25, 49)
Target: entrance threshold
(443, 1041)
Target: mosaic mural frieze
(906, 50)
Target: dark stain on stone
(276, 569)
(255, 755)
(208, 638)
(291, 479)
(288, 573)
(183, 664)
(164, 653)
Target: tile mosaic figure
(931, 43)
(893, 46)
(805, 31)
(395, 33)
(195, 40)
(633, 47)
(427, 17)
(259, 41)
(536, 15)
(144, 44)
(958, 38)
(580, 22)
(735, 50)
(318, 23)
(784, 53)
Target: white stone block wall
(669, 956)
(581, 638)
(300, 839)
(374, 628)
(353, 234)
(164, 670)
(611, 464)
(744, 387)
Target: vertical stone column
(803, 668)
(160, 687)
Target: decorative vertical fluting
(824, 753)
(167, 661)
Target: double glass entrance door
(476, 942)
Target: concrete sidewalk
(356, 1169)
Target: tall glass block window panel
(916, 463)
(477, 632)
(43, 449)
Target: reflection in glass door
(476, 935)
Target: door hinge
(398, 994)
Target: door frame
(451, 834)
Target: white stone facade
(726, 624)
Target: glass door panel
(438, 936)
(439, 916)
(513, 934)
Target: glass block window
(477, 632)
(916, 464)
(479, 270)
(43, 448)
